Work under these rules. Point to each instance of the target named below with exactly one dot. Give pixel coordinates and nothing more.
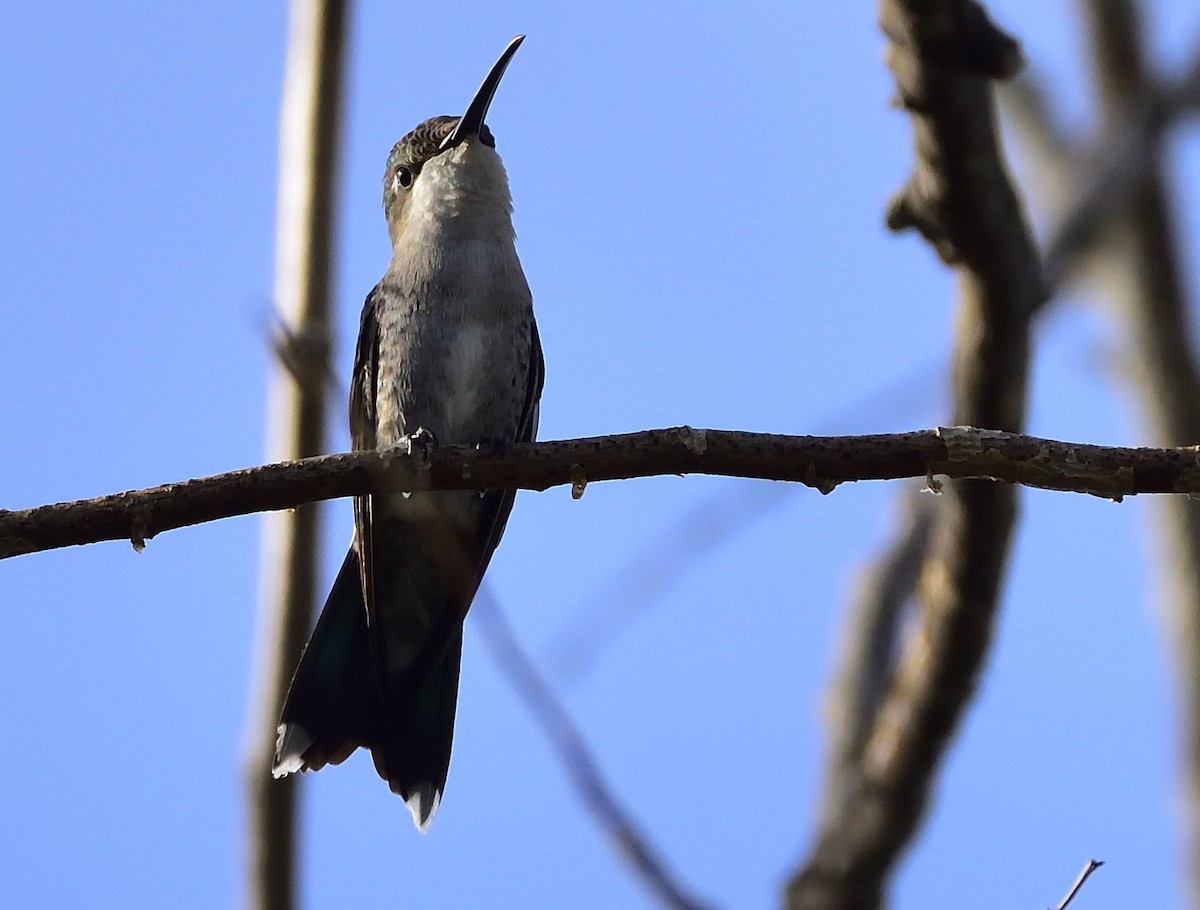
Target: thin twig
(820, 462)
(1091, 866)
(598, 797)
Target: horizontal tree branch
(821, 462)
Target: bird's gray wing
(499, 504)
(332, 705)
(363, 384)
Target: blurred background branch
(1084, 187)
(599, 800)
(1141, 273)
(943, 56)
(1122, 237)
(866, 665)
(309, 139)
(1138, 267)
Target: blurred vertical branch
(1144, 280)
(308, 153)
(1134, 259)
(868, 653)
(943, 56)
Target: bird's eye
(403, 179)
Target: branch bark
(821, 462)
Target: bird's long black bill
(471, 122)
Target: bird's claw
(421, 442)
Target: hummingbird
(448, 352)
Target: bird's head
(445, 177)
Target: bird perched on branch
(448, 351)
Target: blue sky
(699, 192)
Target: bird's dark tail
(333, 704)
(414, 756)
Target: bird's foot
(421, 442)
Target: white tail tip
(291, 743)
(423, 803)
